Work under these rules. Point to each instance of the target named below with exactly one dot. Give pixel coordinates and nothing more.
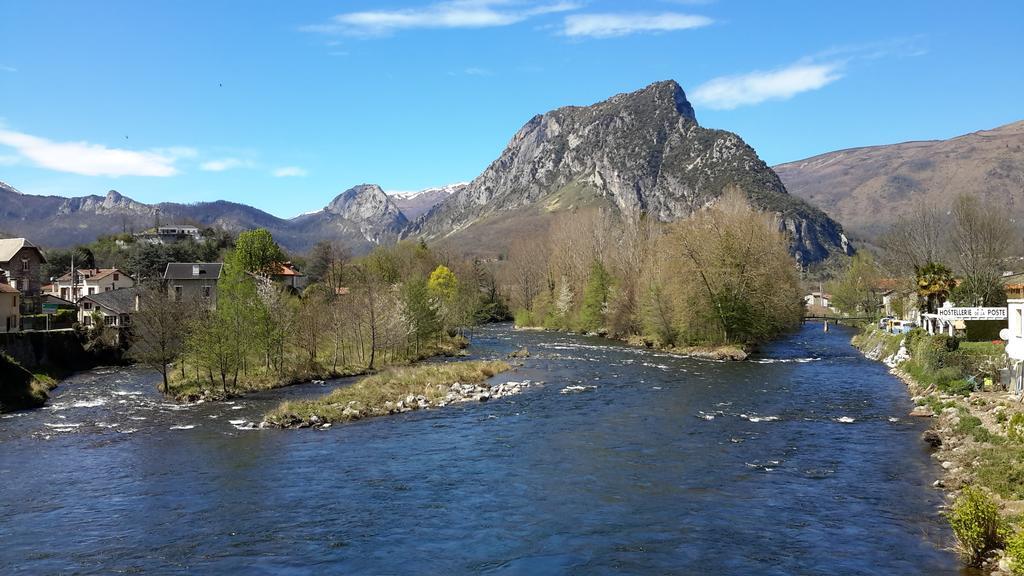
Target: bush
(1015, 553)
(1015, 429)
(976, 524)
(523, 318)
(958, 386)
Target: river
(801, 461)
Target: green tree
(257, 253)
(856, 290)
(420, 312)
(934, 281)
(220, 340)
(442, 284)
(595, 298)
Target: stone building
(21, 265)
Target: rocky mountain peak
(662, 95)
(362, 202)
(639, 153)
(365, 209)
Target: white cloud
(289, 171)
(728, 92)
(222, 164)
(449, 14)
(611, 25)
(93, 159)
(8, 68)
(472, 71)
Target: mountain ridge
(641, 152)
(851, 183)
(638, 153)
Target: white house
(114, 307)
(819, 300)
(89, 281)
(170, 234)
(1015, 335)
(10, 318)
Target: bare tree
(916, 240)
(981, 239)
(158, 331)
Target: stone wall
(48, 350)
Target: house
(10, 316)
(21, 261)
(170, 234)
(88, 281)
(115, 307)
(287, 275)
(819, 301)
(901, 304)
(193, 281)
(1015, 336)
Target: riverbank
(976, 436)
(186, 387)
(397, 390)
(21, 389)
(724, 352)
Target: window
(206, 291)
(86, 305)
(92, 289)
(107, 289)
(177, 293)
(116, 277)
(110, 320)
(87, 321)
(1020, 323)
(24, 264)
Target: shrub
(1015, 553)
(976, 524)
(523, 318)
(1015, 429)
(1000, 469)
(958, 386)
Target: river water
(802, 461)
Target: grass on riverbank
(981, 432)
(372, 395)
(187, 385)
(21, 389)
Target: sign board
(50, 308)
(972, 313)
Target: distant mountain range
(416, 204)
(641, 152)
(360, 217)
(867, 189)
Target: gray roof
(120, 301)
(10, 246)
(184, 271)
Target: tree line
(396, 304)
(957, 252)
(725, 275)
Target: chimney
(195, 269)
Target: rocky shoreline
(950, 446)
(723, 353)
(457, 393)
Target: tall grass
(369, 396)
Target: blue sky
(283, 105)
